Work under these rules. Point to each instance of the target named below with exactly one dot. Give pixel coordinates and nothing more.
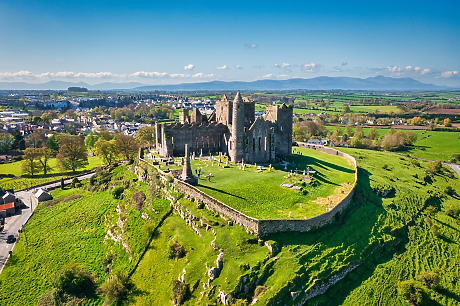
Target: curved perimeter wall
(268, 226)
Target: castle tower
(184, 116)
(187, 175)
(236, 147)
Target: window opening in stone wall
(253, 144)
(265, 147)
(202, 142)
(196, 142)
(230, 145)
(213, 142)
(259, 143)
(207, 142)
(172, 142)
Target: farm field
(260, 195)
(15, 167)
(20, 183)
(436, 145)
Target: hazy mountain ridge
(318, 83)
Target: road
(14, 223)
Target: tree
(127, 146)
(146, 136)
(430, 279)
(91, 139)
(38, 139)
(447, 122)
(413, 292)
(345, 108)
(45, 155)
(72, 279)
(6, 142)
(18, 143)
(114, 288)
(30, 164)
(372, 134)
(72, 153)
(53, 143)
(106, 150)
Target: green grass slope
(77, 231)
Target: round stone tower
(236, 146)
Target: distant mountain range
(318, 83)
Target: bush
(385, 167)
(430, 279)
(74, 182)
(72, 279)
(179, 291)
(259, 290)
(117, 192)
(175, 250)
(413, 292)
(62, 183)
(114, 288)
(453, 211)
(449, 191)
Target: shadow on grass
(355, 228)
(304, 161)
(220, 191)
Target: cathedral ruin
(232, 129)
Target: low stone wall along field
(256, 199)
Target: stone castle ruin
(232, 129)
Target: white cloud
(238, 67)
(258, 66)
(202, 76)
(272, 76)
(46, 76)
(403, 71)
(189, 67)
(287, 70)
(251, 45)
(449, 74)
(283, 65)
(311, 67)
(143, 74)
(224, 67)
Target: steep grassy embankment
(77, 231)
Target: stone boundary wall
(268, 226)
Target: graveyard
(305, 184)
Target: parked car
(10, 239)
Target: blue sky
(156, 42)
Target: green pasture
(260, 195)
(15, 167)
(20, 183)
(373, 108)
(436, 145)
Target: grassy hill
(403, 221)
(77, 231)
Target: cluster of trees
(110, 146)
(305, 129)
(136, 113)
(392, 141)
(70, 152)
